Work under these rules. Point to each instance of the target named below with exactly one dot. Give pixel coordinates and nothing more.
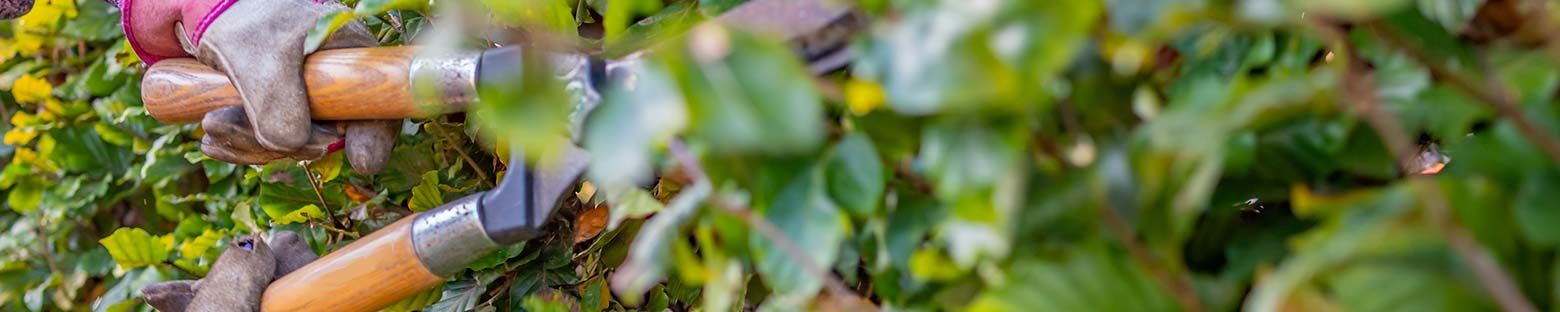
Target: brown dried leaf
(590, 223)
(359, 194)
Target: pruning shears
(420, 251)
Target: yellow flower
(863, 96)
(31, 89)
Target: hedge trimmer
(420, 251)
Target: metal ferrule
(444, 82)
(449, 238)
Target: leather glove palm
(238, 278)
(259, 45)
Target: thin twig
(48, 251)
(461, 150)
(1361, 91)
(1179, 285)
(320, 194)
(1502, 100)
(763, 226)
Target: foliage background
(990, 155)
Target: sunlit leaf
(133, 247)
(302, 214)
(635, 204)
(31, 89)
(375, 7)
(427, 194)
(417, 302)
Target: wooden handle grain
(343, 84)
(376, 271)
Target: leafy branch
(1502, 100)
(696, 171)
(1360, 90)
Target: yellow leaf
(932, 265)
(133, 247)
(47, 13)
(863, 96)
(328, 167)
(28, 43)
(7, 50)
(19, 136)
(23, 119)
(54, 106)
(31, 157)
(31, 89)
(197, 247)
(126, 56)
(1308, 204)
(301, 215)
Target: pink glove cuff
(150, 25)
(339, 145)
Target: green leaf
(95, 21)
(133, 248)
(417, 302)
(1359, 10)
(458, 296)
(124, 295)
(80, 149)
(553, 16)
(631, 123)
(427, 194)
(375, 7)
(328, 167)
(201, 245)
(24, 197)
(594, 296)
(650, 255)
(855, 175)
(809, 219)
(328, 24)
(286, 188)
(616, 18)
(301, 215)
(497, 257)
(746, 95)
(637, 203)
(1084, 279)
(1402, 286)
(1454, 15)
(1536, 215)
(1001, 56)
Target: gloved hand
(238, 278)
(10, 9)
(259, 44)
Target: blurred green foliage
(989, 155)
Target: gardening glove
(10, 9)
(238, 278)
(259, 45)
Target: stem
(1179, 285)
(1360, 90)
(330, 217)
(1498, 98)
